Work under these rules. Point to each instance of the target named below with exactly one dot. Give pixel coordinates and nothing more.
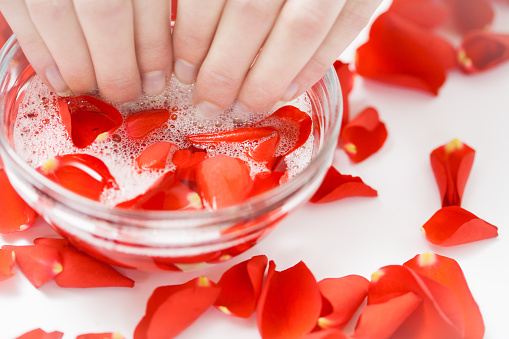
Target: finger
(194, 30)
(352, 19)
(109, 31)
(299, 30)
(243, 28)
(152, 33)
(17, 15)
(59, 28)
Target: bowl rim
(97, 209)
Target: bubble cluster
(39, 135)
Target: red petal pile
(336, 186)
(453, 225)
(51, 258)
(241, 286)
(427, 297)
(403, 48)
(400, 52)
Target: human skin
(254, 53)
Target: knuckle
(360, 12)
(100, 9)
(53, 10)
(259, 10)
(305, 23)
(221, 80)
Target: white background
(352, 236)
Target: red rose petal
(166, 194)
(138, 125)
(326, 334)
(453, 225)
(85, 117)
(223, 181)
(57, 243)
(439, 315)
(15, 214)
(425, 13)
(382, 320)
(300, 121)
(447, 272)
(241, 134)
(82, 174)
(363, 135)
(241, 286)
(155, 155)
(473, 14)
(39, 263)
(110, 335)
(186, 161)
(40, 334)
(265, 181)
(451, 164)
(171, 309)
(290, 303)
(346, 78)
(345, 295)
(82, 271)
(336, 186)
(482, 50)
(6, 264)
(402, 53)
(265, 151)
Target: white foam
(39, 135)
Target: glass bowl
(161, 240)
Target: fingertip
(185, 71)
(153, 83)
(207, 109)
(56, 81)
(290, 92)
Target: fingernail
(185, 71)
(153, 83)
(57, 82)
(290, 92)
(241, 108)
(207, 109)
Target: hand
(260, 52)
(76, 46)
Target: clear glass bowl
(167, 240)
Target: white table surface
(351, 236)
